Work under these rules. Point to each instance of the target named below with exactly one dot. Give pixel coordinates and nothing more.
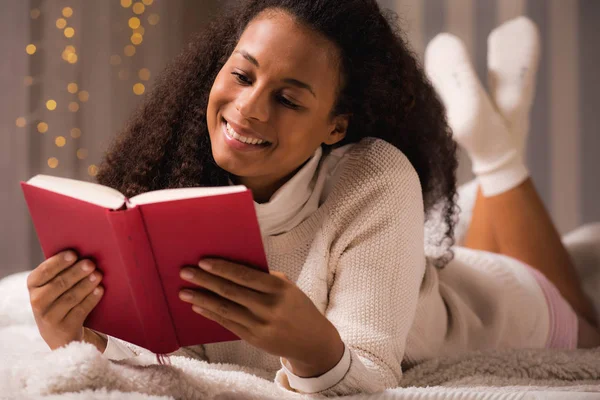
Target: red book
(140, 245)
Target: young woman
(322, 111)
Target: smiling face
(270, 105)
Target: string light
(42, 127)
(72, 58)
(34, 13)
(21, 122)
(147, 2)
(82, 153)
(93, 170)
(129, 50)
(28, 80)
(83, 96)
(60, 141)
(30, 49)
(73, 106)
(53, 162)
(126, 3)
(139, 8)
(72, 88)
(67, 12)
(51, 105)
(136, 39)
(144, 74)
(139, 88)
(61, 23)
(75, 133)
(134, 22)
(153, 19)
(139, 30)
(69, 32)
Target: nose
(253, 103)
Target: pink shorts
(564, 324)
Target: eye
(288, 103)
(241, 78)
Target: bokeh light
(93, 170)
(129, 50)
(69, 32)
(60, 141)
(144, 74)
(30, 49)
(82, 154)
(42, 127)
(73, 106)
(21, 122)
(72, 88)
(139, 8)
(53, 162)
(153, 19)
(51, 105)
(67, 12)
(134, 22)
(75, 133)
(139, 88)
(83, 96)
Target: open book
(140, 245)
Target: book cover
(140, 250)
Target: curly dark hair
(166, 142)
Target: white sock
(477, 126)
(513, 57)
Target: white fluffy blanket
(28, 370)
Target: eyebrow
(289, 81)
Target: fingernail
(97, 290)
(93, 277)
(69, 256)
(185, 295)
(187, 274)
(204, 265)
(87, 266)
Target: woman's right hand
(62, 292)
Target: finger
(43, 297)
(79, 313)
(72, 297)
(242, 275)
(249, 298)
(233, 326)
(223, 307)
(51, 267)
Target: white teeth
(241, 138)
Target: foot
(513, 57)
(476, 124)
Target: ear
(338, 132)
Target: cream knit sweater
(360, 258)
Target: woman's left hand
(266, 310)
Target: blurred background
(72, 71)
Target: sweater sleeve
(379, 262)
(117, 349)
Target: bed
(29, 370)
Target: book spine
(144, 280)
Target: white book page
(157, 196)
(86, 191)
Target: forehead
(283, 46)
